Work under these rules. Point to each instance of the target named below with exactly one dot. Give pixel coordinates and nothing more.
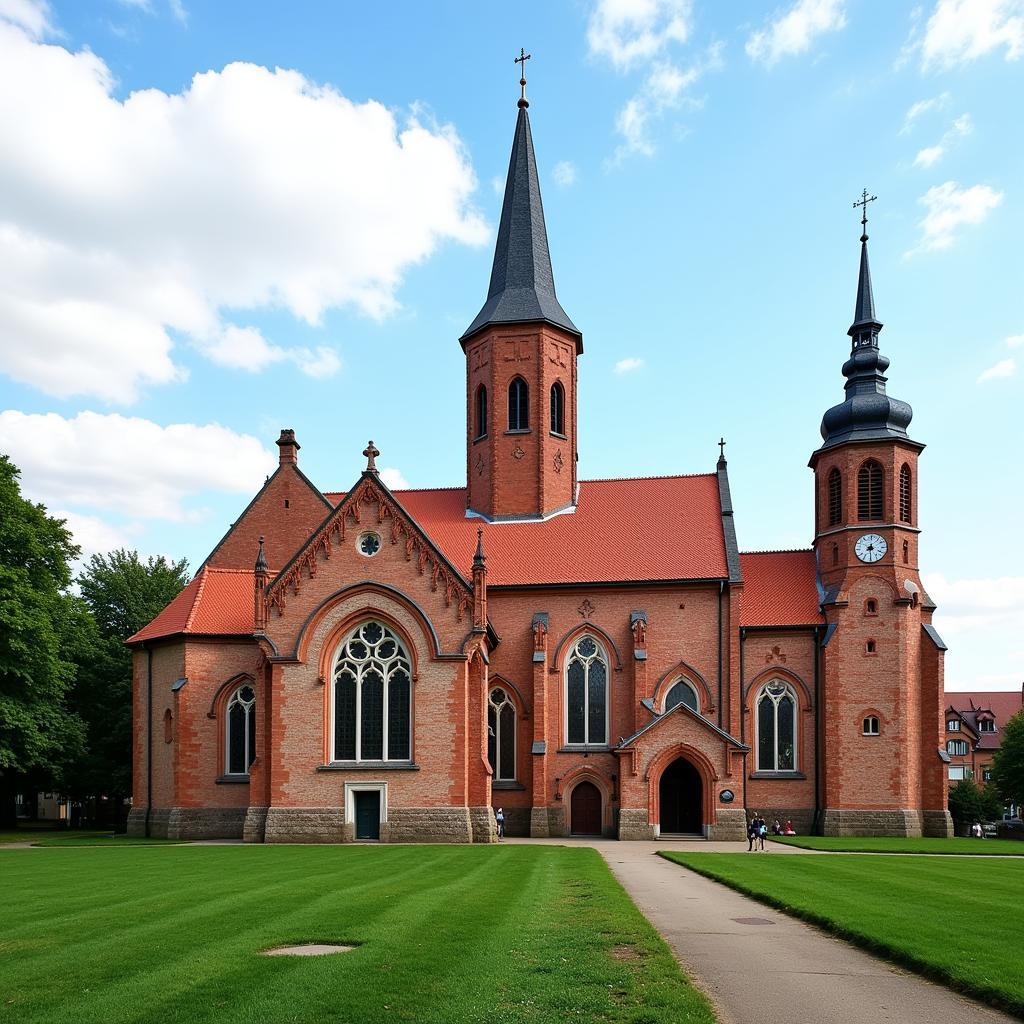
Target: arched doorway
(585, 810)
(680, 798)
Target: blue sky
(218, 219)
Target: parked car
(1011, 828)
(990, 829)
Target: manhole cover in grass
(752, 920)
(309, 949)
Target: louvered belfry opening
(905, 487)
(869, 491)
(835, 497)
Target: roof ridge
(197, 598)
(780, 551)
(663, 476)
(225, 568)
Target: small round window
(369, 544)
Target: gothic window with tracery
(557, 408)
(586, 693)
(869, 490)
(518, 405)
(240, 731)
(501, 735)
(776, 727)
(835, 497)
(372, 696)
(682, 692)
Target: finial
(261, 558)
(721, 448)
(863, 203)
(371, 453)
(479, 558)
(522, 59)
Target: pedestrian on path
(752, 832)
(499, 817)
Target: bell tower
(521, 352)
(882, 696)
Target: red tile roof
(780, 588)
(651, 528)
(1003, 704)
(216, 602)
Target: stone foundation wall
(633, 824)
(483, 825)
(188, 822)
(540, 823)
(305, 825)
(905, 823)
(936, 823)
(730, 826)
(517, 821)
(254, 830)
(432, 824)
(802, 818)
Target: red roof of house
(780, 588)
(1003, 704)
(217, 601)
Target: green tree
(1008, 762)
(120, 593)
(38, 734)
(965, 804)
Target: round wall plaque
(727, 796)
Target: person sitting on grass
(776, 828)
(788, 830)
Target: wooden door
(585, 810)
(368, 815)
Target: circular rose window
(369, 544)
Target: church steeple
(522, 285)
(868, 413)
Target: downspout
(817, 731)
(149, 734)
(721, 591)
(743, 713)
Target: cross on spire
(721, 447)
(863, 203)
(522, 59)
(371, 453)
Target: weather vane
(522, 59)
(863, 203)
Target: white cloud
(628, 365)
(96, 536)
(795, 30)
(950, 207)
(1004, 368)
(33, 16)
(931, 154)
(498, 185)
(132, 466)
(959, 31)
(394, 479)
(628, 32)
(994, 605)
(922, 107)
(564, 173)
(1015, 341)
(127, 224)
(664, 89)
(245, 348)
(178, 11)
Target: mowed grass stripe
(448, 934)
(876, 844)
(956, 920)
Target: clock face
(870, 547)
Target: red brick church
(596, 657)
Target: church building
(369, 664)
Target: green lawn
(444, 934)
(857, 844)
(76, 837)
(955, 919)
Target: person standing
(752, 832)
(499, 817)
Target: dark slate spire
(261, 559)
(522, 286)
(868, 412)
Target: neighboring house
(595, 657)
(974, 723)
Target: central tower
(521, 352)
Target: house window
(557, 408)
(958, 748)
(835, 497)
(958, 772)
(776, 728)
(986, 725)
(905, 493)
(871, 725)
(372, 697)
(869, 490)
(986, 773)
(682, 693)
(481, 412)
(953, 725)
(240, 735)
(586, 693)
(501, 735)
(518, 405)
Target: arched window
(906, 552)
(956, 747)
(870, 606)
(557, 408)
(586, 693)
(518, 405)
(835, 554)
(372, 696)
(501, 735)
(870, 725)
(905, 504)
(869, 490)
(168, 726)
(870, 648)
(776, 728)
(835, 497)
(682, 692)
(240, 737)
(481, 412)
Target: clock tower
(881, 701)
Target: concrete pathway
(759, 966)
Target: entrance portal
(368, 815)
(681, 796)
(585, 810)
